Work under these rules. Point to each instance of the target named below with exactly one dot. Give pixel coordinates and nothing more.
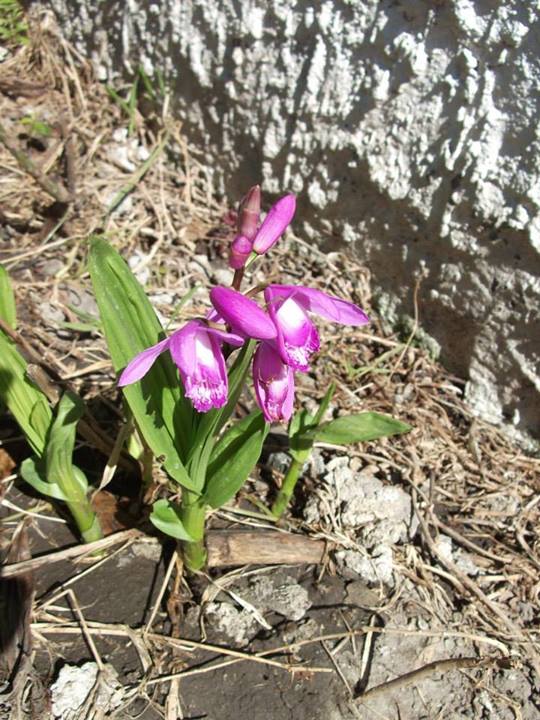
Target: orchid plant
(189, 424)
(50, 435)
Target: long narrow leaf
(130, 324)
(359, 428)
(24, 400)
(233, 459)
(56, 476)
(60, 445)
(211, 423)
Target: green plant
(142, 88)
(51, 436)
(13, 26)
(208, 461)
(306, 429)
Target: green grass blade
(130, 325)
(7, 299)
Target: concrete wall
(407, 128)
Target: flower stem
(237, 279)
(287, 489)
(193, 514)
(86, 520)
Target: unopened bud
(274, 224)
(240, 251)
(248, 213)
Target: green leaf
(303, 425)
(57, 477)
(325, 402)
(300, 439)
(32, 475)
(78, 327)
(7, 299)
(166, 517)
(212, 422)
(359, 428)
(233, 458)
(24, 400)
(61, 441)
(130, 324)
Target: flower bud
(240, 251)
(274, 224)
(248, 213)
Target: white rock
(286, 596)
(142, 273)
(378, 513)
(238, 625)
(72, 688)
(373, 567)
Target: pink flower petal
(242, 314)
(274, 224)
(274, 384)
(297, 336)
(320, 303)
(142, 363)
(226, 337)
(197, 354)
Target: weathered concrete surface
(406, 127)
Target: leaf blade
(363, 427)
(165, 516)
(8, 311)
(234, 457)
(24, 400)
(130, 324)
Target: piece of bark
(242, 547)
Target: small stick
(84, 627)
(458, 537)
(232, 547)
(463, 582)
(69, 151)
(161, 593)
(424, 672)
(13, 569)
(228, 651)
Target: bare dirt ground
(426, 605)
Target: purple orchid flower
(297, 336)
(274, 224)
(196, 350)
(243, 315)
(274, 384)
